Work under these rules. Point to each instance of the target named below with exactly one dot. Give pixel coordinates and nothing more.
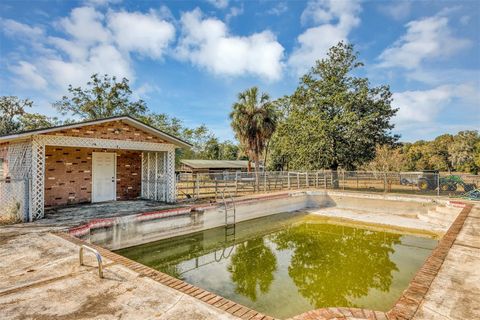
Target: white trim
(68, 141)
(133, 122)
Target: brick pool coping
(405, 307)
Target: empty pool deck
(454, 293)
(41, 279)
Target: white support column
(170, 176)
(156, 176)
(37, 192)
(144, 175)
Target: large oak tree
(336, 118)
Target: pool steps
(440, 216)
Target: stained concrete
(41, 279)
(388, 221)
(81, 213)
(454, 294)
(421, 216)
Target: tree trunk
(334, 168)
(257, 170)
(249, 166)
(265, 157)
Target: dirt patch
(5, 238)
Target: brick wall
(68, 175)
(115, 130)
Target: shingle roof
(216, 164)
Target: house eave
(129, 120)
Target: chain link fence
(14, 200)
(191, 186)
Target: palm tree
(254, 121)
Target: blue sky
(189, 59)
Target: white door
(103, 176)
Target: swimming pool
(288, 263)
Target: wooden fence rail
(212, 185)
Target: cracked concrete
(41, 279)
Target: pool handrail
(97, 255)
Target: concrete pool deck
(454, 293)
(41, 279)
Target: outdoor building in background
(116, 158)
(212, 166)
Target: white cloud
(101, 3)
(206, 42)
(219, 4)
(465, 20)
(74, 50)
(85, 25)
(334, 20)
(279, 9)
(90, 42)
(233, 12)
(425, 39)
(102, 59)
(28, 73)
(423, 106)
(144, 33)
(398, 10)
(439, 75)
(13, 28)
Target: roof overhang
(126, 119)
(215, 164)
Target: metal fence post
(298, 180)
(438, 184)
(236, 183)
(288, 179)
(306, 178)
(343, 176)
(264, 181)
(385, 182)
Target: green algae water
(287, 264)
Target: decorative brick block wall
(114, 130)
(68, 175)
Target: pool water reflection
(286, 264)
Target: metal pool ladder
(98, 256)
(230, 215)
